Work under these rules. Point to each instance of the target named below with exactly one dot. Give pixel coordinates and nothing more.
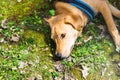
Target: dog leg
(114, 11)
(107, 14)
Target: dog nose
(59, 55)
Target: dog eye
(63, 36)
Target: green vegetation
(26, 48)
(18, 8)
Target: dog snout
(59, 55)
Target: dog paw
(118, 49)
(118, 15)
(117, 43)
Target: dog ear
(46, 19)
(49, 20)
(75, 21)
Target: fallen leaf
(19, 0)
(14, 68)
(88, 39)
(103, 71)
(15, 38)
(102, 27)
(22, 65)
(32, 78)
(118, 69)
(69, 58)
(78, 43)
(58, 66)
(68, 76)
(50, 70)
(103, 30)
(2, 40)
(3, 24)
(118, 64)
(85, 71)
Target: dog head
(65, 28)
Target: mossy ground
(31, 57)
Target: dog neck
(82, 6)
(65, 9)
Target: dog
(69, 21)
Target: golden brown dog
(69, 21)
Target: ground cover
(26, 50)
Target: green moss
(35, 38)
(19, 8)
(76, 73)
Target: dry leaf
(85, 71)
(32, 78)
(3, 23)
(103, 71)
(78, 43)
(22, 64)
(88, 39)
(15, 38)
(58, 66)
(19, 0)
(103, 28)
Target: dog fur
(69, 22)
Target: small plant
(52, 12)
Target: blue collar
(82, 6)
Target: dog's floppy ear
(49, 20)
(75, 21)
(46, 19)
